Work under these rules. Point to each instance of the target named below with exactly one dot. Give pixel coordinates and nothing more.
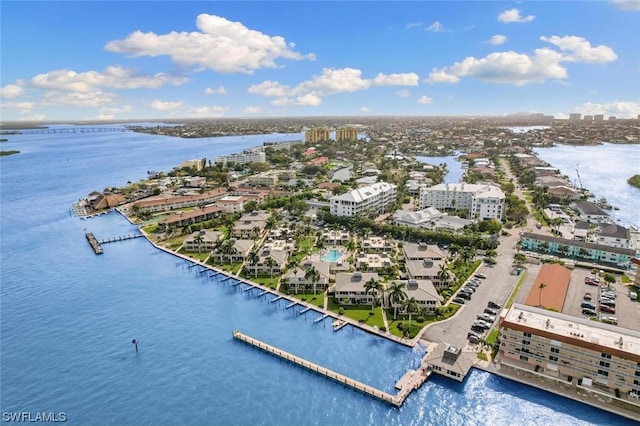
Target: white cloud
(252, 109)
(403, 93)
(220, 45)
(77, 99)
(520, 69)
(109, 113)
(626, 4)
(23, 107)
(620, 109)
(211, 91)
(203, 111)
(425, 100)
(330, 82)
(578, 49)
(10, 91)
(441, 76)
(498, 39)
(112, 77)
(435, 27)
(404, 79)
(165, 105)
(513, 15)
(365, 109)
(414, 24)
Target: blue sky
(157, 59)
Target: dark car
(466, 296)
(589, 312)
(493, 305)
(459, 300)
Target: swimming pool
(332, 256)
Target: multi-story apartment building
(598, 253)
(345, 134)
(255, 155)
(483, 201)
(586, 353)
(373, 198)
(317, 134)
(575, 117)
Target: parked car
(588, 305)
(481, 276)
(587, 296)
(469, 289)
(486, 317)
(591, 282)
(493, 305)
(466, 296)
(609, 303)
(478, 328)
(608, 309)
(610, 320)
(589, 312)
(473, 285)
(459, 300)
(491, 312)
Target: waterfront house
(202, 241)
(231, 251)
(295, 280)
(182, 219)
(349, 288)
(423, 291)
(591, 212)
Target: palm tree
(444, 275)
(396, 295)
(541, 287)
(253, 258)
(373, 286)
(313, 275)
(410, 306)
(199, 239)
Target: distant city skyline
(171, 60)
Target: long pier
(411, 381)
(121, 238)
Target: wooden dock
(409, 382)
(93, 242)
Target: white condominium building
(245, 157)
(483, 201)
(373, 198)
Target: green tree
(313, 275)
(397, 295)
(374, 287)
(541, 287)
(609, 278)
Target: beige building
(346, 134)
(318, 134)
(590, 355)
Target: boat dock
(93, 242)
(121, 238)
(275, 299)
(305, 310)
(291, 305)
(338, 324)
(414, 380)
(321, 318)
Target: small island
(634, 181)
(3, 153)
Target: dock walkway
(93, 242)
(409, 383)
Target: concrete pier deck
(409, 382)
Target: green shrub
(341, 310)
(400, 326)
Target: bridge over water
(73, 130)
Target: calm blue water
(604, 170)
(454, 167)
(68, 318)
(332, 256)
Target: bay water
(68, 318)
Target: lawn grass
(360, 313)
(173, 243)
(232, 268)
(265, 281)
(516, 289)
(195, 255)
(314, 299)
(492, 337)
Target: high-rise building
(588, 118)
(482, 201)
(575, 117)
(373, 198)
(348, 133)
(598, 117)
(317, 134)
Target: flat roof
(581, 332)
